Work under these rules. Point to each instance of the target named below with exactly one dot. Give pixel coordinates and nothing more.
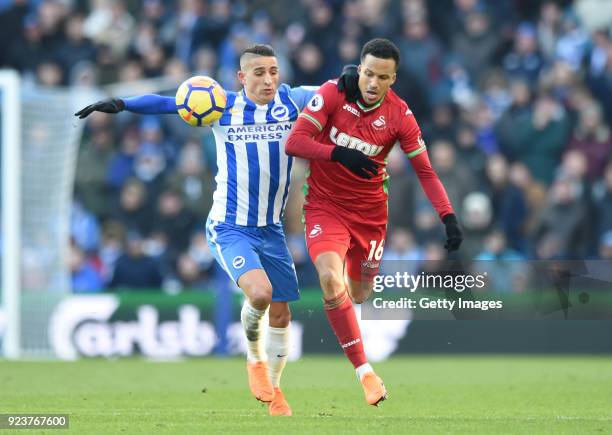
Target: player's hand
(112, 105)
(355, 161)
(348, 82)
(454, 237)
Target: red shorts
(358, 243)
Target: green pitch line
(502, 394)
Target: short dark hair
(381, 48)
(260, 50)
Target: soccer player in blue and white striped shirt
(244, 228)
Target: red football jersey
(372, 130)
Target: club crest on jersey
(351, 109)
(279, 113)
(379, 123)
(316, 103)
(316, 230)
(238, 262)
(344, 140)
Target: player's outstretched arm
(149, 104)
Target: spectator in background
(308, 65)
(93, 160)
(132, 210)
(563, 228)
(600, 75)
(483, 121)
(77, 47)
(121, 165)
(455, 84)
(84, 228)
(511, 128)
(471, 156)
(84, 277)
(110, 24)
(134, 269)
(211, 29)
(174, 222)
(573, 42)
(454, 175)
(49, 73)
(574, 167)
(195, 266)
(426, 229)
(533, 192)
(495, 92)
(150, 166)
(421, 52)
(549, 28)
(508, 202)
(443, 125)
(545, 139)
(505, 272)
(193, 180)
(476, 42)
(524, 61)
(592, 138)
(402, 246)
(477, 218)
(111, 248)
(12, 25)
(559, 81)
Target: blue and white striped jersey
(253, 173)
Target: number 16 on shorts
(376, 250)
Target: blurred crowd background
(514, 98)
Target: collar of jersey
(251, 102)
(372, 107)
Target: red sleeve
(301, 143)
(431, 184)
(310, 123)
(409, 133)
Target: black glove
(454, 237)
(348, 82)
(112, 105)
(355, 161)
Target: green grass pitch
(441, 394)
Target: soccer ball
(200, 101)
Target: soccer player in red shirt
(347, 138)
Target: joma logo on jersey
(344, 140)
(351, 109)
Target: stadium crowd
(514, 98)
